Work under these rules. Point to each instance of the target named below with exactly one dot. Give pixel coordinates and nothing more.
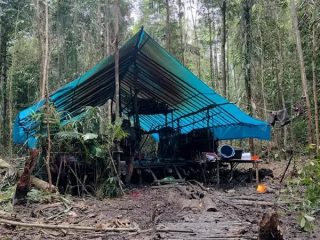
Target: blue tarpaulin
(152, 73)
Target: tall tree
(247, 6)
(315, 79)
(168, 31)
(223, 8)
(45, 88)
(302, 68)
(195, 31)
(44, 84)
(116, 57)
(181, 30)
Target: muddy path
(162, 212)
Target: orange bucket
(261, 188)
(255, 157)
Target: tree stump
(23, 185)
(269, 228)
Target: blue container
(226, 152)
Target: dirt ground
(163, 212)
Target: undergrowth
(304, 191)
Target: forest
(260, 55)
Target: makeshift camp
(157, 94)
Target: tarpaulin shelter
(154, 76)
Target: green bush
(306, 189)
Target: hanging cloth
(281, 116)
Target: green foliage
(47, 116)
(307, 188)
(109, 188)
(25, 72)
(6, 196)
(86, 135)
(306, 221)
(310, 178)
(39, 196)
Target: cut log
(209, 205)
(34, 181)
(269, 228)
(42, 185)
(99, 227)
(190, 204)
(23, 185)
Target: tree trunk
(106, 49)
(168, 33)
(302, 68)
(196, 39)
(247, 54)
(45, 85)
(227, 67)
(314, 85)
(181, 31)
(39, 19)
(10, 93)
(262, 72)
(215, 59)
(210, 47)
(106, 30)
(247, 5)
(281, 81)
(116, 58)
(223, 9)
(1, 88)
(4, 78)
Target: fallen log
(34, 181)
(189, 204)
(209, 205)
(70, 227)
(42, 185)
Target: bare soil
(239, 209)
